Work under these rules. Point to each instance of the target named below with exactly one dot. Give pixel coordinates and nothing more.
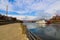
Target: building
(54, 19)
(41, 22)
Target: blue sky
(30, 8)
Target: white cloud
(24, 17)
(53, 7)
(4, 3)
(38, 6)
(27, 6)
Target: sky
(30, 9)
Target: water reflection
(31, 25)
(50, 32)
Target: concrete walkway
(12, 32)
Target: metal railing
(32, 36)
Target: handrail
(32, 36)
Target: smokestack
(6, 10)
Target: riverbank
(13, 31)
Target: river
(49, 32)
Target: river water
(49, 32)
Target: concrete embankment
(15, 31)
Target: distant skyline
(30, 9)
